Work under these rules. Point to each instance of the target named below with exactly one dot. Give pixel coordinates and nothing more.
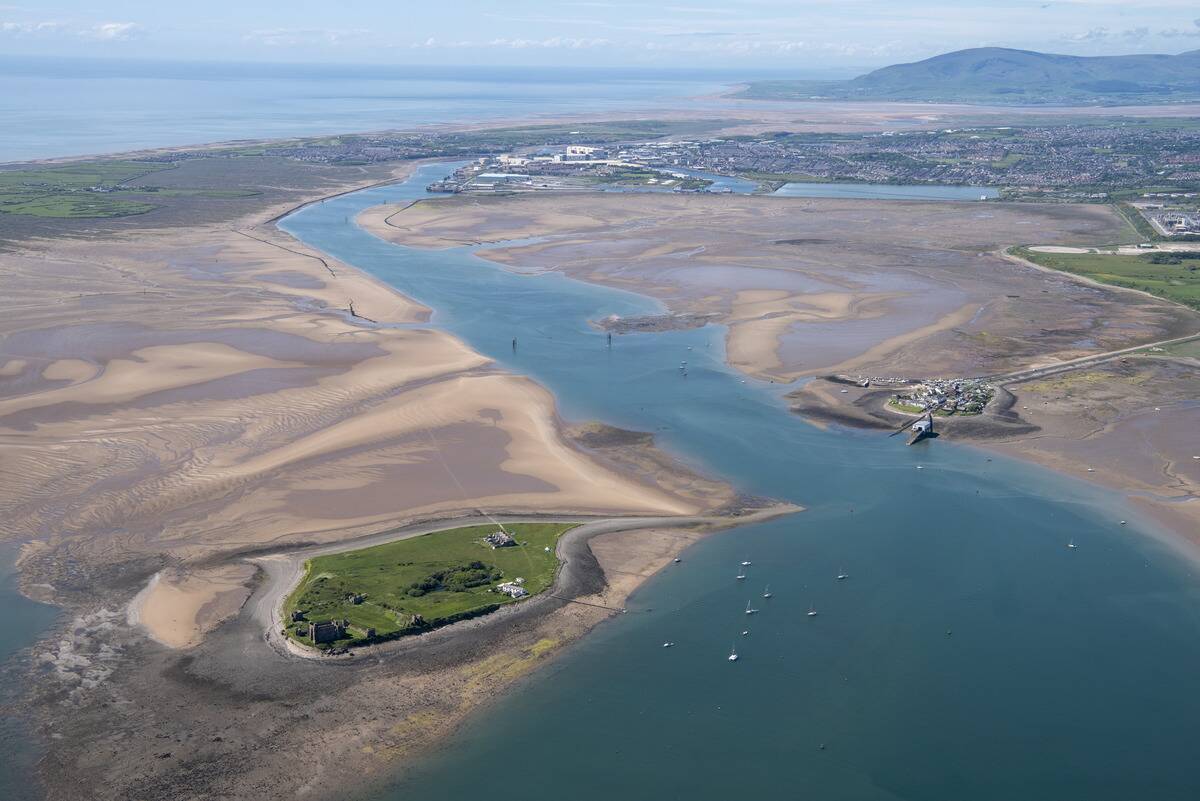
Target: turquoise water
(66, 107)
(970, 655)
(22, 619)
(21, 623)
(888, 191)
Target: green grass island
(417, 584)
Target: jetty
(921, 429)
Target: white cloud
(116, 31)
(1092, 35)
(300, 37)
(31, 28)
(102, 31)
(1171, 33)
(553, 42)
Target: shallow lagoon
(888, 191)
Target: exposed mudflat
(814, 286)
(173, 403)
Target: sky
(811, 36)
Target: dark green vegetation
(441, 577)
(85, 189)
(997, 75)
(1173, 276)
(156, 192)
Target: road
(1084, 361)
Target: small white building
(512, 589)
(586, 151)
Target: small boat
(812, 612)
(1072, 545)
(733, 657)
(750, 610)
(741, 575)
(767, 592)
(843, 576)
(746, 632)
(667, 644)
(677, 560)
(746, 564)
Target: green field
(442, 577)
(1190, 350)
(85, 189)
(634, 177)
(1179, 281)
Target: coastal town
(1080, 161)
(577, 167)
(1094, 160)
(1155, 171)
(944, 397)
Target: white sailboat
(741, 575)
(767, 592)
(842, 576)
(746, 564)
(1072, 545)
(812, 612)
(733, 657)
(750, 610)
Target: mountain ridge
(999, 75)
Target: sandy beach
(178, 403)
(263, 414)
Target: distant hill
(997, 75)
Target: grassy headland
(420, 583)
(1174, 276)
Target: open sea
(68, 107)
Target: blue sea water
(68, 107)
(969, 655)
